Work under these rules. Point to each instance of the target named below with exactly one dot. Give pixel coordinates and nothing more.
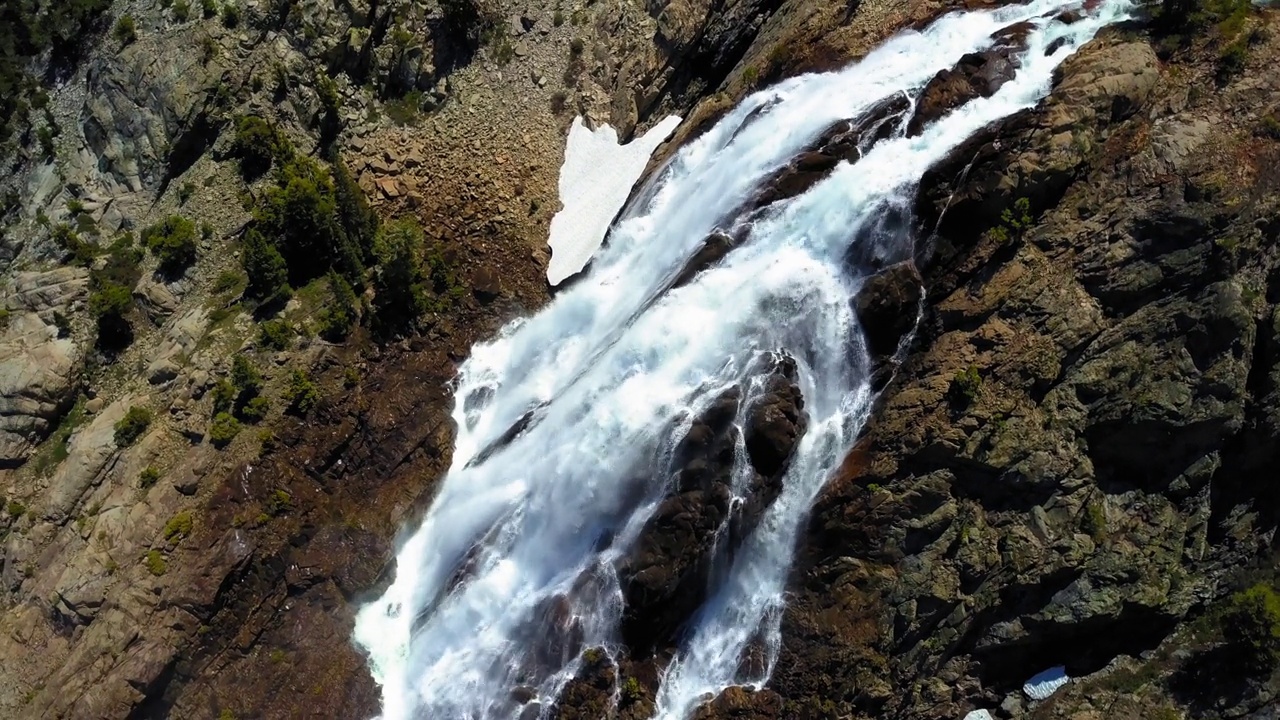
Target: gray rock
(38, 374)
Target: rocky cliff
(1068, 463)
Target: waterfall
(567, 419)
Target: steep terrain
(1069, 465)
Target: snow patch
(1046, 683)
(979, 715)
(595, 181)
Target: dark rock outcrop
(698, 526)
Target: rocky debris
(38, 378)
(665, 576)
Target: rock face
(38, 369)
(1067, 464)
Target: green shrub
(148, 477)
(223, 429)
(1269, 127)
(185, 192)
(80, 252)
(155, 563)
(266, 268)
(1252, 625)
(231, 15)
(267, 441)
(258, 144)
(302, 394)
(1232, 59)
(209, 8)
(750, 76)
(1014, 222)
(228, 281)
(178, 527)
(244, 375)
(337, 319)
(173, 241)
(181, 10)
(132, 426)
(15, 509)
(256, 409)
(632, 691)
(111, 300)
(399, 284)
(224, 397)
(558, 18)
(126, 30)
(965, 385)
(275, 335)
(279, 503)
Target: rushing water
(510, 554)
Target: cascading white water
(511, 555)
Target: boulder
(887, 305)
(38, 377)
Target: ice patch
(595, 181)
(1046, 683)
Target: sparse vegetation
(178, 527)
(275, 335)
(1014, 222)
(181, 10)
(279, 503)
(223, 429)
(126, 30)
(965, 385)
(209, 8)
(173, 241)
(132, 426)
(148, 477)
(155, 563)
(1251, 624)
(302, 394)
(15, 509)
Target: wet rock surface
(710, 510)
